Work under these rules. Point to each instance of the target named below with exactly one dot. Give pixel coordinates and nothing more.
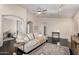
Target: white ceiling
(53, 10)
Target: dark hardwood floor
(63, 41)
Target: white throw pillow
(36, 35)
(26, 39)
(30, 36)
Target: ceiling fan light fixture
(38, 12)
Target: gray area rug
(51, 49)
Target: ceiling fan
(40, 11)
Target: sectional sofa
(32, 40)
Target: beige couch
(31, 41)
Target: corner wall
(11, 9)
(76, 23)
(63, 25)
(34, 19)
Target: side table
(16, 45)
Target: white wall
(1, 33)
(13, 10)
(10, 10)
(34, 19)
(64, 25)
(9, 25)
(17, 11)
(76, 23)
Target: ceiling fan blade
(33, 10)
(45, 10)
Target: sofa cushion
(40, 39)
(30, 36)
(31, 43)
(36, 35)
(26, 39)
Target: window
(19, 27)
(29, 27)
